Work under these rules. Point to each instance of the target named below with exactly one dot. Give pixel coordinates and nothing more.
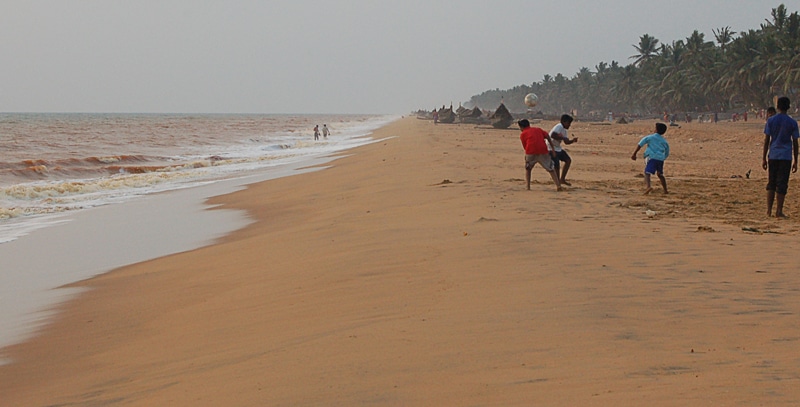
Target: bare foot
(647, 191)
(559, 189)
(781, 216)
(564, 182)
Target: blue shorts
(654, 167)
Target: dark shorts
(654, 167)
(779, 171)
(560, 156)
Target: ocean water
(80, 194)
(56, 163)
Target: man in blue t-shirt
(780, 142)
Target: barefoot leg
(554, 175)
(779, 205)
(663, 182)
(770, 200)
(564, 172)
(528, 177)
(647, 187)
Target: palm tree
(627, 88)
(647, 48)
(601, 68)
(779, 19)
(723, 36)
(696, 43)
(738, 69)
(584, 88)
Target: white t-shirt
(560, 130)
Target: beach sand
(418, 270)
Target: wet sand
(419, 271)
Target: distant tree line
(734, 72)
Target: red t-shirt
(533, 140)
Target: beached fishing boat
(447, 115)
(472, 116)
(501, 118)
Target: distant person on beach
(325, 131)
(535, 140)
(655, 154)
(316, 132)
(559, 134)
(780, 155)
(435, 116)
(771, 112)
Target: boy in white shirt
(559, 134)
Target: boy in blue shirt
(780, 142)
(656, 153)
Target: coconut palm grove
(730, 72)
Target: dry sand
(420, 272)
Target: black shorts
(560, 156)
(779, 171)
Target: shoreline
(81, 245)
(417, 270)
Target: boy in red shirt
(536, 151)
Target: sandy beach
(419, 271)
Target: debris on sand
(757, 230)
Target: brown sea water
(51, 163)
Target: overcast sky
(336, 56)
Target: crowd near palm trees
(731, 72)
